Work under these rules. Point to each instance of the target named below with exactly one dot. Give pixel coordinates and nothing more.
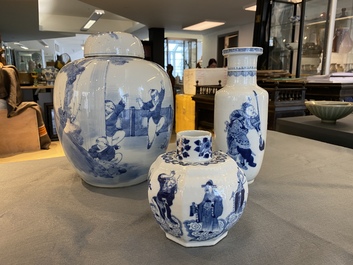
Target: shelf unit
(306, 37)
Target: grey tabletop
(299, 211)
(340, 133)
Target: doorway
(181, 53)
(226, 41)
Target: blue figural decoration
(241, 111)
(196, 202)
(241, 121)
(113, 123)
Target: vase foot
(329, 121)
(212, 242)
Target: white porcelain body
(196, 203)
(241, 112)
(113, 43)
(109, 126)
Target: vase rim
(194, 133)
(242, 50)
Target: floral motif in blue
(204, 147)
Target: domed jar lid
(113, 44)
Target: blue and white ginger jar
(113, 111)
(196, 195)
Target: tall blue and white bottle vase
(113, 111)
(196, 194)
(241, 112)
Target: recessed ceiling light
(92, 19)
(21, 45)
(43, 43)
(204, 25)
(250, 8)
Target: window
(181, 53)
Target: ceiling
(20, 20)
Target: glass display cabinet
(28, 60)
(308, 37)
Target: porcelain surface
(114, 116)
(241, 109)
(196, 203)
(329, 111)
(194, 146)
(113, 43)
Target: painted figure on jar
(155, 119)
(209, 209)
(241, 122)
(238, 196)
(102, 151)
(114, 134)
(168, 186)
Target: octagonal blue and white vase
(113, 111)
(196, 195)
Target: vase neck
(194, 146)
(242, 69)
(242, 65)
